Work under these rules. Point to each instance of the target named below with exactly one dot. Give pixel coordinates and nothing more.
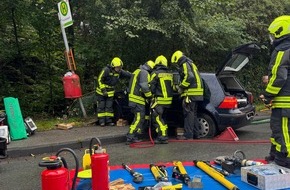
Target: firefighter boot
(132, 138)
(161, 140)
(270, 158)
(282, 160)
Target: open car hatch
(238, 58)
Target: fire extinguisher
(56, 176)
(99, 166)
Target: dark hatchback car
(226, 102)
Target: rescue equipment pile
(224, 172)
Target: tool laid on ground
(137, 177)
(233, 164)
(163, 186)
(215, 174)
(220, 170)
(159, 172)
(179, 172)
(196, 182)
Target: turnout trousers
(190, 118)
(139, 117)
(105, 109)
(280, 137)
(158, 121)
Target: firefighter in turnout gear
(277, 92)
(162, 89)
(107, 80)
(139, 97)
(191, 90)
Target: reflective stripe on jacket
(139, 88)
(162, 85)
(191, 81)
(108, 79)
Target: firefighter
(139, 97)
(277, 92)
(107, 80)
(191, 90)
(162, 89)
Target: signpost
(64, 14)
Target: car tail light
(251, 98)
(229, 102)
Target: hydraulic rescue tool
(137, 177)
(215, 174)
(163, 186)
(234, 163)
(159, 172)
(220, 170)
(179, 172)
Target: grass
(261, 107)
(50, 123)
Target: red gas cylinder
(55, 177)
(71, 85)
(100, 168)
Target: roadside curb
(78, 138)
(48, 148)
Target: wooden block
(65, 126)
(129, 187)
(120, 123)
(125, 123)
(179, 131)
(118, 181)
(124, 187)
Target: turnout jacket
(162, 85)
(278, 88)
(108, 79)
(190, 80)
(139, 88)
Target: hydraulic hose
(65, 164)
(144, 144)
(223, 141)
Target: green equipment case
(14, 118)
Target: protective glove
(105, 93)
(179, 90)
(266, 100)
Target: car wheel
(207, 126)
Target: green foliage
(32, 60)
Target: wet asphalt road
(23, 173)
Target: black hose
(91, 144)
(65, 164)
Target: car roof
(238, 58)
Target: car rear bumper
(235, 121)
